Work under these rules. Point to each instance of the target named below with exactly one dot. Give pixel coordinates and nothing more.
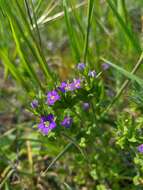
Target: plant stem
(89, 15)
(67, 147)
(125, 84)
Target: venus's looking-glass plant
(65, 97)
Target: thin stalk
(76, 145)
(35, 23)
(6, 178)
(122, 9)
(71, 33)
(28, 12)
(30, 157)
(58, 15)
(28, 67)
(36, 51)
(39, 3)
(131, 36)
(15, 72)
(67, 147)
(89, 17)
(48, 10)
(125, 84)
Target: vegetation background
(41, 41)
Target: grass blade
(90, 11)
(131, 76)
(35, 23)
(71, 32)
(41, 21)
(127, 74)
(34, 47)
(127, 31)
(13, 70)
(67, 147)
(27, 66)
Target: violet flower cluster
(48, 122)
(82, 67)
(65, 87)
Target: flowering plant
(60, 106)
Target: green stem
(125, 84)
(90, 10)
(67, 147)
(6, 178)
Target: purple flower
(49, 118)
(47, 124)
(70, 87)
(140, 148)
(34, 104)
(105, 66)
(92, 74)
(86, 106)
(81, 66)
(52, 97)
(62, 87)
(77, 83)
(67, 122)
(46, 127)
